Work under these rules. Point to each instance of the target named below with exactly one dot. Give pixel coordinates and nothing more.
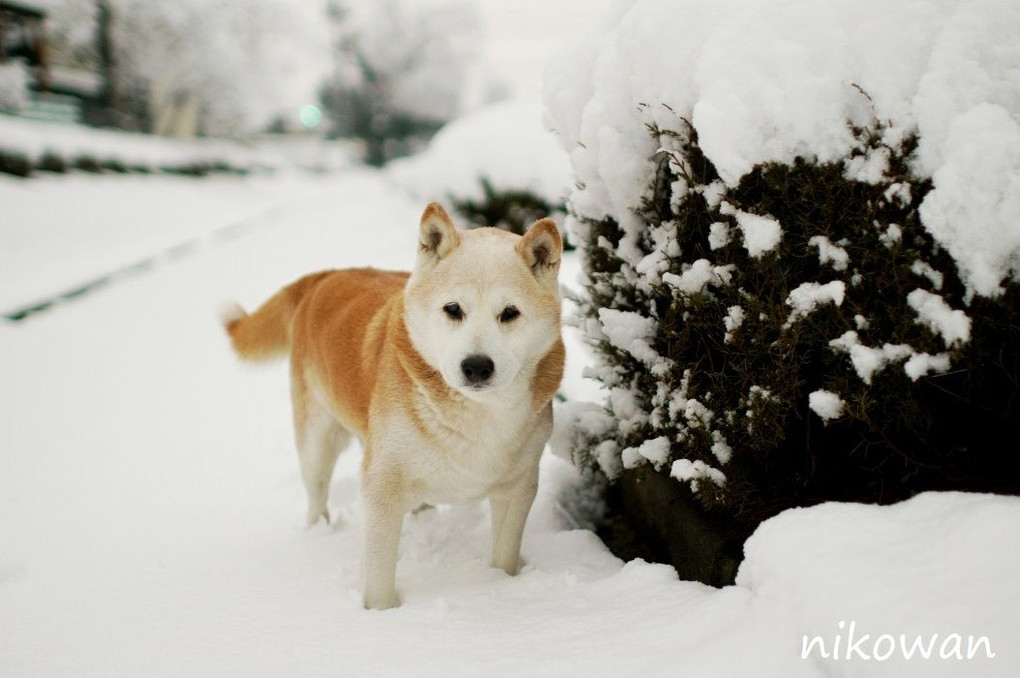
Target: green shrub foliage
(856, 303)
(88, 163)
(51, 162)
(512, 210)
(16, 163)
(20, 164)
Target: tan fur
(265, 334)
(357, 369)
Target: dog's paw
(512, 568)
(382, 601)
(317, 516)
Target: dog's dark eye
(508, 314)
(453, 311)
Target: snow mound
(505, 144)
(767, 82)
(928, 565)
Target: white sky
(522, 34)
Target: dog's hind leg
(320, 439)
(320, 445)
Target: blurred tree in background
(399, 74)
(196, 67)
(389, 73)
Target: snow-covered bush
(13, 86)
(399, 74)
(52, 162)
(30, 145)
(497, 166)
(801, 230)
(13, 162)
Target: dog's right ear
(437, 236)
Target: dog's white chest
(463, 459)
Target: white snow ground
(83, 235)
(151, 511)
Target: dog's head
(483, 306)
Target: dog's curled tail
(265, 334)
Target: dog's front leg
(382, 518)
(510, 505)
(511, 502)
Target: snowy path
(151, 517)
(63, 232)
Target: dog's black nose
(477, 368)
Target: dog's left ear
(540, 248)
(437, 236)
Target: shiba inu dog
(446, 374)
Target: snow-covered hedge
(801, 226)
(497, 166)
(27, 146)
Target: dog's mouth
(477, 388)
